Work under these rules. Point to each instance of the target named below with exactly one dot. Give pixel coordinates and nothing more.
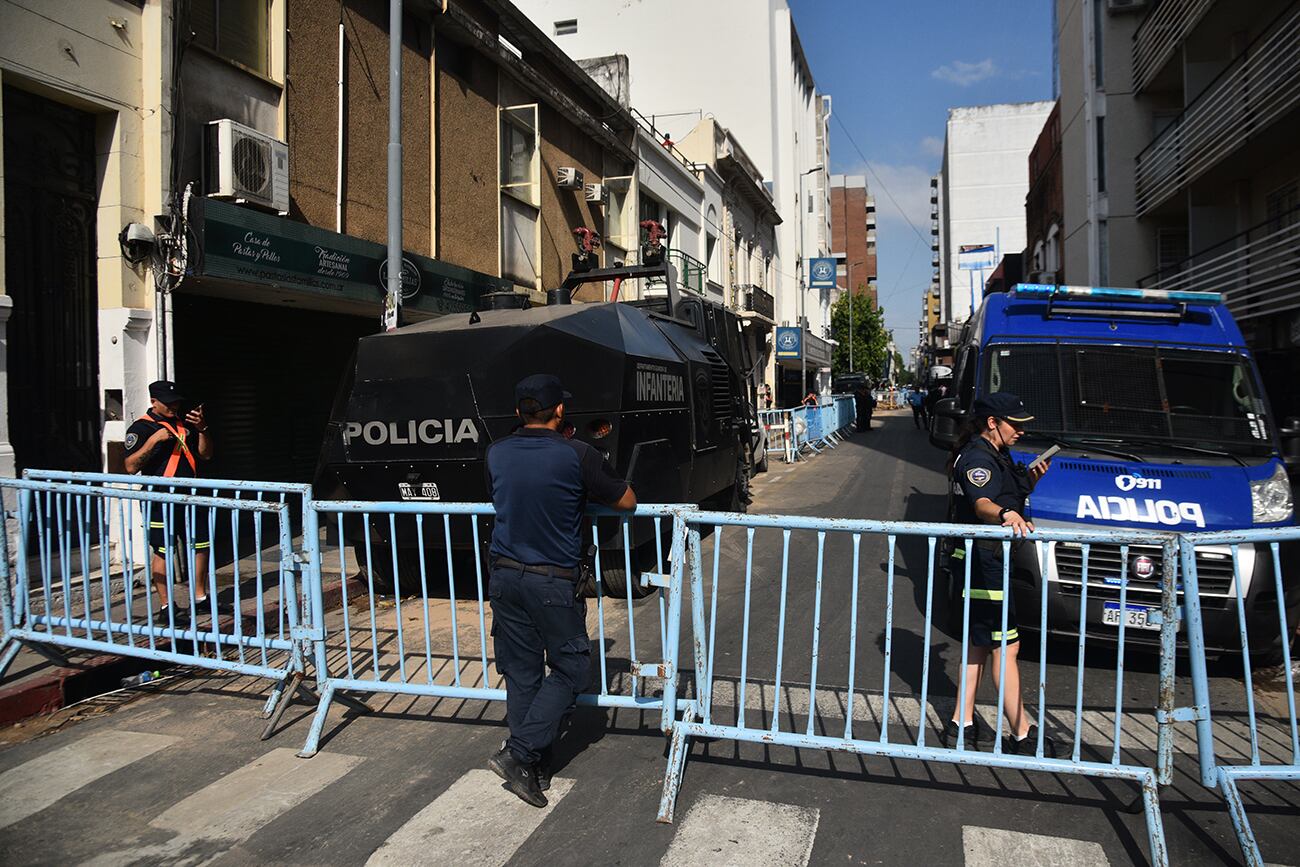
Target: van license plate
(1137, 616)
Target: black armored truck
(662, 386)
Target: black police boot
(971, 739)
(520, 778)
(1028, 745)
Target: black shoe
(520, 778)
(1028, 745)
(970, 741)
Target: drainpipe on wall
(338, 169)
(392, 304)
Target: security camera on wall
(137, 241)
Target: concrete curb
(63, 685)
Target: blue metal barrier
(846, 537)
(396, 543)
(87, 561)
(1270, 744)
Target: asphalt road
(178, 775)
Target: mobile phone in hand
(1044, 457)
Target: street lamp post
(803, 287)
(852, 265)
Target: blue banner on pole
(789, 342)
(821, 273)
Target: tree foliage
(870, 339)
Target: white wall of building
(985, 181)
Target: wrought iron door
(53, 353)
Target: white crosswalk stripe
(994, 847)
(721, 832)
(35, 785)
(234, 807)
(474, 823)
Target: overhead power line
(881, 183)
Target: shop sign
(252, 247)
(789, 342)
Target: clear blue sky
(894, 70)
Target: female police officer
(988, 487)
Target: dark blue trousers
(536, 623)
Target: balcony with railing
(756, 300)
(1159, 35)
(690, 271)
(1258, 88)
(1258, 271)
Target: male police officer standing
(540, 482)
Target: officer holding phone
(989, 487)
(162, 443)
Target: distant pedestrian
(916, 400)
(864, 404)
(162, 443)
(810, 399)
(989, 487)
(541, 482)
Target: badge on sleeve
(131, 440)
(979, 476)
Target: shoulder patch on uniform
(978, 476)
(131, 440)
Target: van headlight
(1270, 499)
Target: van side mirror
(1290, 435)
(945, 426)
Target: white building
(983, 184)
(761, 87)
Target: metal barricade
(779, 428)
(104, 565)
(825, 556)
(435, 554)
(1263, 607)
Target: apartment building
(982, 187)
(853, 235)
(1178, 127)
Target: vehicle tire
(613, 571)
(381, 570)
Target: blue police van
(1156, 405)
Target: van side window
(966, 378)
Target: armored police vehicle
(1156, 405)
(660, 386)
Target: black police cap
(1002, 404)
(543, 388)
(165, 391)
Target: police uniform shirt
(156, 464)
(984, 471)
(540, 485)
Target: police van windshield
(1135, 394)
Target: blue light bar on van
(1108, 293)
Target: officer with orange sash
(162, 443)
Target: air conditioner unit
(598, 193)
(568, 178)
(245, 165)
(1119, 6)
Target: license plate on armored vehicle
(1137, 616)
(418, 491)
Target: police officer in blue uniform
(989, 487)
(541, 482)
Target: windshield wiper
(1084, 444)
(1222, 453)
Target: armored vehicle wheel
(613, 571)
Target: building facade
(676, 77)
(1178, 129)
(1045, 205)
(982, 194)
(853, 235)
(266, 203)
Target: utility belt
(569, 573)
